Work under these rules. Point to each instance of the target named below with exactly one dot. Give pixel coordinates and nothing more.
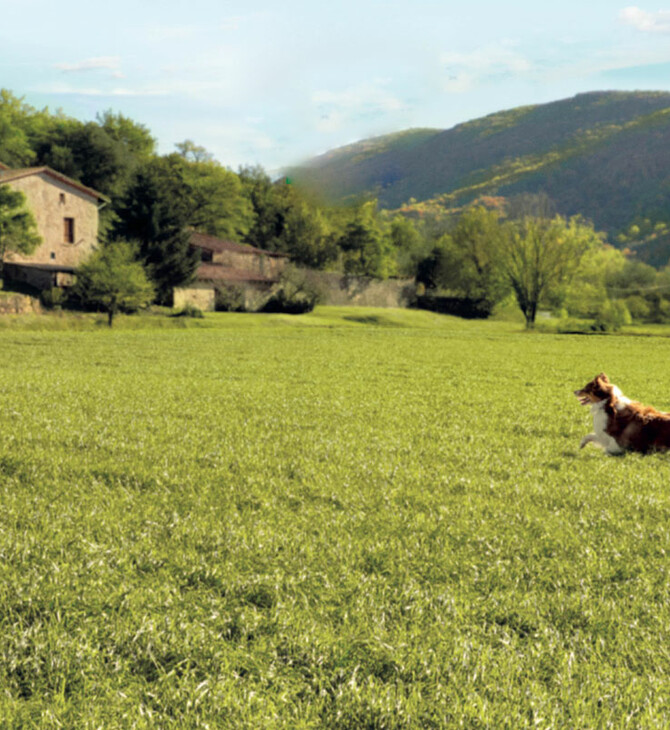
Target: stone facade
(202, 296)
(66, 214)
(230, 270)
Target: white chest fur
(599, 426)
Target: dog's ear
(603, 377)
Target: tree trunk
(530, 313)
(110, 316)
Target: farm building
(66, 213)
(228, 266)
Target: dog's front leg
(588, 439)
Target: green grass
(355, 519)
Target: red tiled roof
(7, 175)
(218, 245)
(217, 272)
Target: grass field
(353, 519)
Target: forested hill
(605, 155)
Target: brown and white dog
(620, 424)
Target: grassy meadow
(351, 519)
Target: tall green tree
(216, 200)
(155, 213)
(366, 247)
(18, 230)
(114, 281)
(537, 254)
(410, 246)
(15, 123)
(307, 236)
(285, 220)
(471, 268)
(268, 210)
(135, 138)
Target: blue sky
(272, 83)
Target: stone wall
(51, 201)
(270, 266)
(335, 290)
(339, 290)
(19, 304)
(203, 297)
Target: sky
(274, 83)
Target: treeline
(488, 252)
(156, 199)
(522, 249)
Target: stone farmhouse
(251, 271)
(66, 213)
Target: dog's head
(596, 390)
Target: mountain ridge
(602, 154)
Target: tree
(306, 236)
(539, 253)
(15, 116)
(136, 138)
(114, 280)
(473, 269)
(433, 269)
(193, 152)
(367, 250)
(285, 220)
(267, 222)
(154, 213)
(409, 244)
(216, 201)
(586, 293)
(18, 231)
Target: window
(62, 197)
(69, 230)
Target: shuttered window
(69, 230)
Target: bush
(638, 307)
(296, 293)
(612, 316)
(53, 298)
(190, 310)
(229, 298)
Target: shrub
(612, 316)
(53, 298)
(638, 307)
(189, 310)
(229, 298)
(296, 293)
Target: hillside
(605, 155)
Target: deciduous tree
(539, 253)
(113, 280)
(18, 231)
(154, 213)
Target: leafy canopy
(537, 254)
(113, 280)
(18, 232)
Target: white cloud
(102, 63)
(69, 90)
(337, 108)
(466, 70)
(658, 22)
